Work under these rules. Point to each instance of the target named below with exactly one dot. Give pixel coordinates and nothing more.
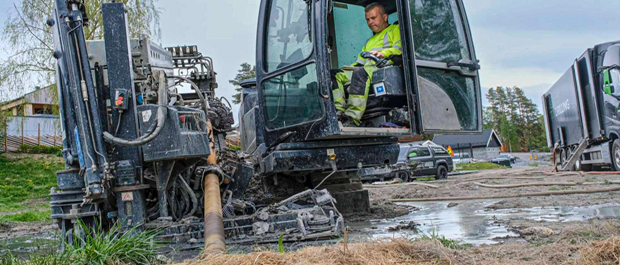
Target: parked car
(430, 158)
(462, 158)
(415, 159)
(505, 157)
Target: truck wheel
(442, 172)
(404, 176)
(615, 155)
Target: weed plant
(93, 246)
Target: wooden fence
(41, 131)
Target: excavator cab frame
(295, 49)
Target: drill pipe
(214, 222)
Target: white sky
(525, 43)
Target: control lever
(380, 62)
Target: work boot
(349, 122)
(340, 115)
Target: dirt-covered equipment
(581, 111)
(288, 122)
(142, 152)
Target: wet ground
(473, 222)
(505, 228)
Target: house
(485, 146)
(41, 101)
(30, 120)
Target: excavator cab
(432, 88)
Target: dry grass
(602, 252)
(396, 251)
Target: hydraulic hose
(162, 113)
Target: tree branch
(29, 30)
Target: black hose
(191, 194)
(162, 113)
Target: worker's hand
(379, 55)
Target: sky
(526, 43)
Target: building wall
(28, 110)
(487, 153)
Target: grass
(94, 247)
(533, 164)
(446, 242)
(424, 178)
(479, 166)
(35, 149)
(27, 216)
(24, 179)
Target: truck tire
(404, 176)
(615, 155)
(442, 172)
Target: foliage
(515, 118)
(30, 42)
(27, 178)
(479, 166)
(27, 216)
(93, 246)
(246, 72)
(446, 242)
(36, 149)
(281, 243)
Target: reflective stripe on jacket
(387, 42)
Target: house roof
(488, 138)
(41, 95)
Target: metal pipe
(213, 219)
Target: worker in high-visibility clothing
(385, 43)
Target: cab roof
(390, 5)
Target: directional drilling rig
(142, 153)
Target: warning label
(127, 196)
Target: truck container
(581, 111)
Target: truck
(140, 152)
(581, 111)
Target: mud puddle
(472, 222)
(30, 244)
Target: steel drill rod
(214, 222)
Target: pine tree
(246, 72)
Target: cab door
(292, 72)
(443, 67)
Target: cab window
(418, 152)
(440, 151)
(438, 31)
(288, 37)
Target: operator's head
(376, 17)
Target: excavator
(144, 134)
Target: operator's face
(376, 21)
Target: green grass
(27, 216)
(25, 179)
(479, 166)
(449, 243)
(424, 178)
(533, 164)
(94, 247)
(36, 149)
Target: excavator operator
(385, 43)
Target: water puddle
(473, 223)
(26, 245)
